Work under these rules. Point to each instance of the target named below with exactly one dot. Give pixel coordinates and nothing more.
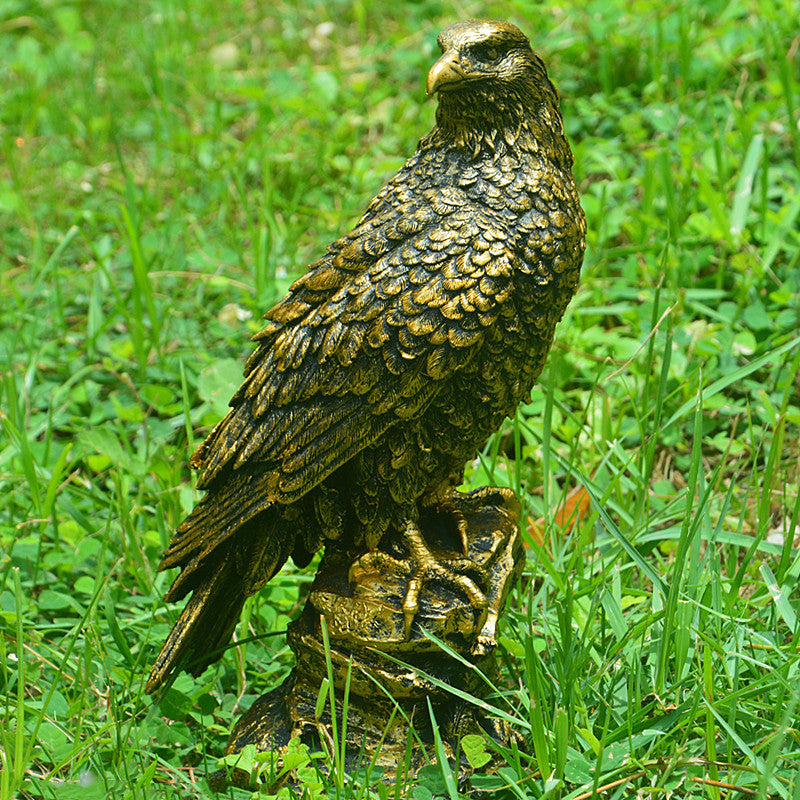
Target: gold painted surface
(388, 683)
(382, 372)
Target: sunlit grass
(167, 169)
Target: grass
(168, 168)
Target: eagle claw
(422, 566)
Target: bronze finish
(389, 674)
(385, 368)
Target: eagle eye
(487, 53)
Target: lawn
(167, 169)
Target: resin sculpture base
(362, 607)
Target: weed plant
(167, 169)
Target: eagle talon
(422, 566)
(454, 573)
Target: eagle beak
(446, 72)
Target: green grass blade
(445, 769)
(780, 596)
(617, 534)
(736, 376)
(744, 185)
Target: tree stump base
(394, 683)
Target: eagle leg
(422, 566)
(459, 574)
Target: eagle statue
(392, 360)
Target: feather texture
(393, 358)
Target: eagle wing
(363, 340)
